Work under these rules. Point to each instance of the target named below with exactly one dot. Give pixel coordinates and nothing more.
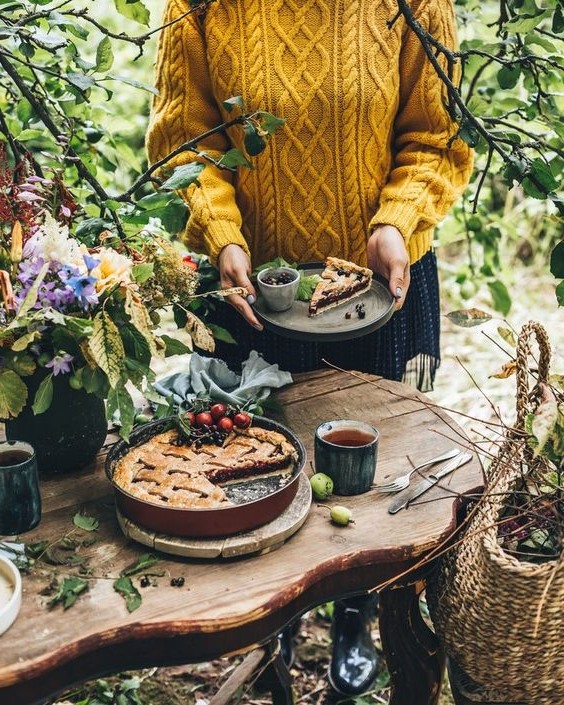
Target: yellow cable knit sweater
(366, 133)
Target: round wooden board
(261, 540)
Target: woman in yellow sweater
(363, 169)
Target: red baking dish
(243, 516)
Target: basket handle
(527, 401)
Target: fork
(401, 482)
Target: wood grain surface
(227, 606)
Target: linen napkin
(212, 377)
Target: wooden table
(231, 606)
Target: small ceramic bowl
(10, 593)
(278, 297)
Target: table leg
(275, 676)
(415, 660)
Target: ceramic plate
(333, 325)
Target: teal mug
(20, 501)
(347, 451)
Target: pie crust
(340, 282)
(161, 472)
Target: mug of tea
(347, 451)
(20, 501)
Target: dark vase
(69, 434)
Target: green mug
(347, 451)
(20, 501)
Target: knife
(421, 487)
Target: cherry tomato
(204, 418)
(242, 420)
(190, 416)
(189, 262)
(225, 424)
(218, 411)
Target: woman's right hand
(234, 270)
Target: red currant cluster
(210, 426)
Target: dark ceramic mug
(347, 451)
(20, 501)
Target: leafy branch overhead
(59, 68)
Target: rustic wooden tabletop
(228, 606)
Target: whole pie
(340, 282)
(185, 476)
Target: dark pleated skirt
(405, 349)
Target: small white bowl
(11, 581)
(278, 297)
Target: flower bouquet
(85, 315)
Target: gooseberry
(341, 515)
(321, 485)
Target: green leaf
(46, 40)
(468, 318)
(13, 394)
(106, 347)
(544, 424)
(539, 180)
(557, 260)
(104, 55)
(129, 592)
(85, 522)
(500, 296)
(558, 20)
(23, 365)
(507, 76)
(57, 19)
(81, 80)
(131, 82)
(220, 333)
(173, 346)
(234, 158)
(560, 293)
(141, 565)
(94, 381)
(508, 336)
(270, 123)
(135, 344)
(142, 272)
(135, 11)
(120, 406)
(235, 101)
(523, 25)
(307, 286)
(254, 143)
(21, 343)
(68, 592)
(31, 296)
(183, 176)
(44, 395)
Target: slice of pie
(159, 471)
(340, 282)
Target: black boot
(286, 640)
(355, 661)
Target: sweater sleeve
(427, 173)
(185, 108)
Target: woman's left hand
(387, 256)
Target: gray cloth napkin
(211, 377)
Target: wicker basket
(501, 620)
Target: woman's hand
(387, 256)
(234, 270)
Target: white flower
(113, 269)
(51, 242)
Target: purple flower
(83, 289)
(90, 262)
(60, 364)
